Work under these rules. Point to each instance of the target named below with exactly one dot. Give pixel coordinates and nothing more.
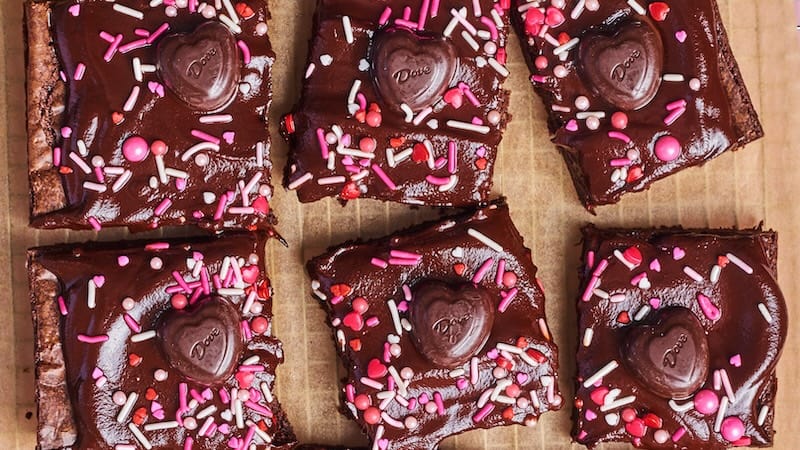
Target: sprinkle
(458, 125)
(245, 52)
(300, 181)
(618, 403)
(91, 294)
(348, 29)
(385, 178)
(588, 334)
(566, 47)
(678, 434)
(326, 181)
(503, 306)
(692, 274)
(620, 136)
(739, 263)
(726, 383)
(141, 337)
(482, 270)
(674, 115)
(578, 10)
(87, 339)
(716, 271)
(485, 240)
(161, 426)
(112, 49)
(723, 408)
(162, 207)
(92, 186)
(762, 415)
(137, 433)
(371, 383)
(681, 407)
(94, 223)
(391, 420)
(543, 329)
(80, 163)
(764, 312)
(608, 368)
(379, 263)
(236, 29)
(156, 34)
(673, 77)
(710, 310)
(385, 15)
(216, 118)
(132, 323)
(501, 69)
(127, 407)
(122, 181)
(136, 14)
(202, 146)
(637, 7)
(461, 18)
(395, 317)
(485, 411)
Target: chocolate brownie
(442, 330)
(157, 345)
(635, 90)
(401, 101)
(144, 116)
(680, 334)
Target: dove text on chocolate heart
(199, 348)
(449, 328)
(403, 75)
(195, 69)
(619, 71)
(671, 355)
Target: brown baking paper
(741, 189)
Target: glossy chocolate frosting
(617, 81)
(440, 381)
(680, 334)
(160, 325)
(165, 122)
(410, 53)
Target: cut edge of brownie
(45, 92)
(768, 239)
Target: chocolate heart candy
(203, 341)
(450, 323)
(201, 68)
(623, 68)
(670, 354)
(411, 68)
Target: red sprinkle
(659, 11)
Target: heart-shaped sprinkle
(376, 369)
(522, 378)
(678, 253)
(99, 280)
(633, 255)
(457, 252)
(75, 10)
(229, 136)
(681, 36)
(454, 97)
(644, 283)
(534, 19)
(326, 60)
(202, 68)
(669, 354)
(354, 321)
(459, 268)
(655, 265)
(244, 10)
(554, 17)
(383, 444)
(572, 125)
(624, 68)
(655, 303)
(117, 117)
(612, 419)
(736, 360)
(363, 65)
(250, 274)
(450, 324)
(636, 428)
(411, 68)
(598, 395)
(590, 415)
(203, 341)
(659, 11)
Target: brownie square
(145, 116)
(159, 345)
(680, 334)
(401, 101)
(441, 328)
(635, 90)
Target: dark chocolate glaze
(718, 116)
(130, 367)
(440, 61)
(348, 282)
(733, 326)
(95, 114)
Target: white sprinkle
(392, 421)
(300, 181)
(266, 391)
(673, 77)
(457, 373)
(739, 263)
(239, 414)
(501, 69)
(409, 112)
(466, 126)
(161, 169)
(127, 407)
(260, 154)
(92, 186)
(637, 7)
(716, 271)
(371, 383)
(764, 312)
(348, 29)
(448, 30)
(90, 295)
(508, 348)
(643, 311)
(216, 118)
(608, 368)
(251, 360)
(326, 60)
(124, 447)
(230, 291)
(543, 329)
(351, 98)
(136, 14)
(461, 17)
(618, 403)
(175, 173)
(331, 160)
(681, 407)
(602, 294)
(310, 70)
(137, 69)
(578, 10)
(202, 146)
(586, 114)
(231, 11)
(723, 408)
(762, 415)
(692, 274)
(470, 40)
(485, 240)
(143, 336)
(473, 371)
(138, 433)
(395, 317)
(566, 46)
(331, 180)
(498, 21)
(726, 382)
(500, 387)
(401, 385)
(206, 412)
(131, 102)
(251, 298)
(161, 426)
(356, 153)
(618, 254)
(588, 335)
(82, 148)
(236, 29)
(206, 425)
(528, 360)
(122, 181)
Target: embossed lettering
(450, 327)
(619, 71)
(198, 350)
(403, 75)
(195, 69)
(671, 356)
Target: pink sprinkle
(405, 255)
(258, 408)
(57, 156)
(572, 125)
(79, 71)
(141, 32)
(620, 162)
(248, 438)
(677, 104)
(587, 294)
(406, 23)
(75, 10)
(97, 373)
(220, 207)
(503, 306)
(337, 299)
(452, 164)
(423, 14)
(112, 49)
(485, 411)
(403, 262)
(159, 31)
(619, 135)
(491, 26)
(464, 87)
(94, 223)
(384, 19)
(501, 270)
(407, 13)
(192, 6)
(477, 121)
(245, 51)
(133, 45)
(252, 368)
(543, 79)
(224, 396)
(678, 434)
(188, 443)
(156, 246)
(379, 263)
(437, 398)
(196, 395)
(635, 280)
(434, 8)
(582, 435)
(601, 267)
(350, 392)
(373, 321)
(162, 207)
(674, 115)
(736, 360)
(323, 144)
(179, 278)
(132, 323)
(590, 258)
(709, 309)
(62, 306)
(385, 178)
(407, 292)
(681, 36)
(246, 330)
(66, 132)
(107, 37)
(92, 339)
(362, 101)
(206, 137)
(481, 272)
(437, 181)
